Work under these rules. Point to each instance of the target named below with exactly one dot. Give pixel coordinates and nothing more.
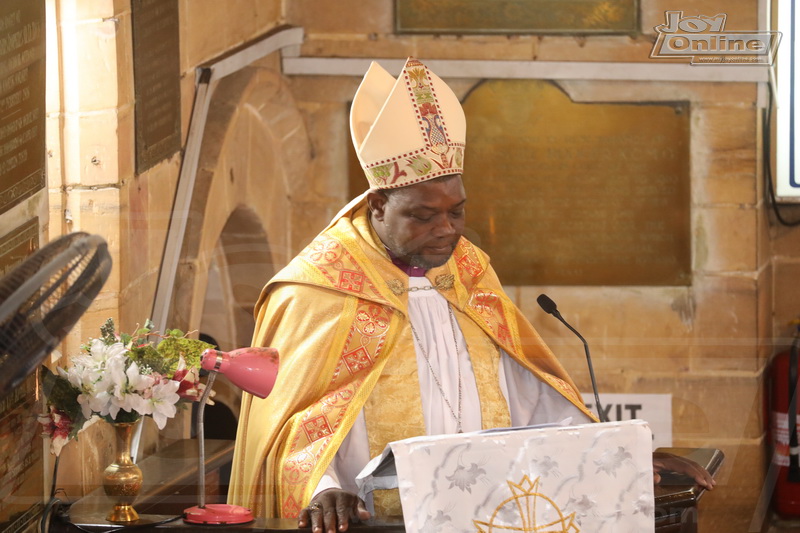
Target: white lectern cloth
(593, 478)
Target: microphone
(549, 307)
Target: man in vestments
(390, 324)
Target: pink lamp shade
(251, 369)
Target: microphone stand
(549, 307)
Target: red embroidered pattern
(469, 265)
(351, 281)
(291, 507)
(357, 360)
(484, 302)
(561, 385)
(297, 466)
(362, 349)
(339, 268)
(467, 259)
(429, 116)
(372, 320)
(487, 306)
(317, 428)
(504, 335)
(324, 252)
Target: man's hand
(666, 462)
(332, 510)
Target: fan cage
(44, 297)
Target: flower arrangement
(121, 378)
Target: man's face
(421, 223)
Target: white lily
(81, 377)
(99, 403)
(129, 392)
(162, 401)
(100, 351)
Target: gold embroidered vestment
(337, 318)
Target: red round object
(218, 513)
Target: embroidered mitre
(408, 129)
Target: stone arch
(254, 158)
(241, 263)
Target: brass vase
(122, 479)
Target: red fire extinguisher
(783, 429)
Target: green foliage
(123, 417)
(147, 356)
(175, 344)
(107, 332)
(63, 394)
(165, 355)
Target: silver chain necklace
(457, 418)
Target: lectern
(590, 477)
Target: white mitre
(407, 130)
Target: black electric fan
(43, 297)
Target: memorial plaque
(22, 100)
(156, 84)
(564, 193)
(21, 472)
(18, 244)
(517, 16)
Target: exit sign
(655, 409)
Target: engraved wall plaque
(156, 71)
(564, 193)
(516, 16)
(21, 470)
(22, 100)
(18, 244)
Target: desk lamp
(253, 370)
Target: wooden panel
(516, 16)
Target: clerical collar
(410, 270)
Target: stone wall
(286, 163)
(707, 344)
